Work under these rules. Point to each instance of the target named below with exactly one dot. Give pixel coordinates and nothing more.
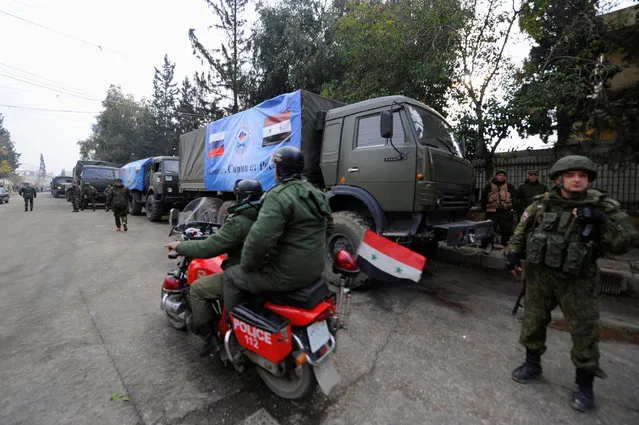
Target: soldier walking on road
(118, 198)
(107, 203)
(29, 194)
(528, 190)
(497, 200)
(74, 194)
(563, 232)
(88, 196)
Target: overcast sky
(63, 69)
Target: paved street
(82, 322)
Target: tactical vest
(499, 198)
(557, 241)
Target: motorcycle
(289, 336)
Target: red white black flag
(385, 260)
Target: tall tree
(9, 158)
(483, 78)
(398, 47)
(231, 69)
(42, 173)
(294, 47)
(196, 104)
(163, 107)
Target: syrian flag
(276, 129)
(384, 260)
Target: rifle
(521, 295)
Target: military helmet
(247, 190)
(500, 171)
(573, 163)
(289, 162)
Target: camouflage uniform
(119, 200)
(292, 229)
(28, 193)
(497, 200)
(88, 195)
(74, 194)
(107, 203)
(228, 240)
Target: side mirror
(173, 216)
(386, 124)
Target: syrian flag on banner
(384, 260)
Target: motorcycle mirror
(173, 216)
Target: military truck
(389, 164)
(99, 173)
(58, 185)
(154, 185)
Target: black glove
(512, 261)
(592, 215)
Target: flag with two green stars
(385, 260)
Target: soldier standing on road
(29, 194)
(292, 227)
(563, 232)
(74, 194)
(228, 240)
(528, 190)
(118, 198)
(107, 204)
(497, 201)
(88, 196)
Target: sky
(88, 45)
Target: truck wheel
(153, 209)
(135, 208)
(224, 211)
(54, 193)
(348, 230)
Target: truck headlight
(169, 189)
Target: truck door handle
(353, 170)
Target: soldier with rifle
(562, 233)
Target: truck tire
(224, 211)
(54, 193)
(135, 208)
(153, 208)
(348, 230)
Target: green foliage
(196, 104)
(163, 107)
(43, 168)
(400, 47)
(9, 158)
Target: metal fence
(619, 180)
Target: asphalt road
(81, 322)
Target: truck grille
(453, 200)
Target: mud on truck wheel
(348, 230)
(153, 208)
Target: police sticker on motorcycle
(318, 335)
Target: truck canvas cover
(132, 174)
(240, 146)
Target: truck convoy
(389, 164)
(154, 185)
(99, 173)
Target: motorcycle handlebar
(173, 255)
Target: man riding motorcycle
(291, 229)
(227, 240)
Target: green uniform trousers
(503, 222)
(119, 212)
(27, 202)
(203, 292)
(545, 289)
(90, 199)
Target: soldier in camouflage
(498, 199)
(228, 240)
(74, 194)
(528, 190)
(292, 227)
(107, 204)
(562, 233)
(118, 198)
(88, 196)
(28, 192)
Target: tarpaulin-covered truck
(389, 164)
(154, 186)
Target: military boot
(124, 224)
(211, 344)
(530, 370)
(583, 398)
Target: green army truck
(389, 164)
(99, 173)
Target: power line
(63, 86)
(50, 88)
(102, 48)
(49, 110)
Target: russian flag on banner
(387, 261)
(216, 145)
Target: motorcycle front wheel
(291, 386)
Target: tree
(231, 69)
(163, 107)
(398, 47)
(483, 79)
(294, 47)
(9, 158)
(63, 172)
(196, 104)
(43, 168)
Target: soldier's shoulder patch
(524, 215)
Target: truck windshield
(91, 173)
(433, 131)
(172, 166)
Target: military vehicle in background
(58, 185)
(99, 173)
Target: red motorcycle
(289, 336)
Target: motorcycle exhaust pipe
(173, 307)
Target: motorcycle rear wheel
(291, 386)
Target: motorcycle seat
(307, 297)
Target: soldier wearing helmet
(229, 240)
(498, 199)
(291, 229)
(562, 233)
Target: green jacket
(227, 240)
(549, 231)
(526, 192)
(88, 190)
(119, 195)
(28, 192)
(291, 232)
